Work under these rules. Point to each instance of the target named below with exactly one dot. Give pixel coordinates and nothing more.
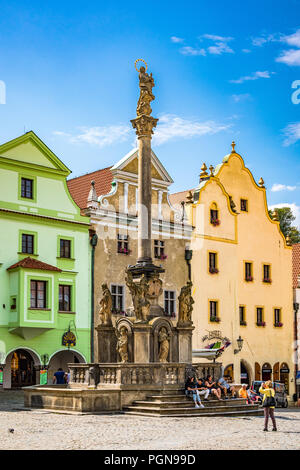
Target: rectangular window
(213, 264)
(242, 311)
(169, 300)
(38, 294)
(117, 293)
(260, 316)
(244, 205)
(27, 243)
(267, 273)
(64, 298)
(159, 249)
(277, 316)
(27, 188)
(65, 248)
(248, 272)
(123, 244)
(213, 311)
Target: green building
(45, 257)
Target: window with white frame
(123, 244)
(170, 302)
(117, 293)
(159, 249)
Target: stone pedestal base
(107, 344)
(141, 343)
(185, 343)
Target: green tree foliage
(286, 218)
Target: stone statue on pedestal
(122, 345)
(185, 305)
(164, 345)
(105, 306)
(140, 296)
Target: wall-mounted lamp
(240, 342)
(188, 254)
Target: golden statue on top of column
(146, 96)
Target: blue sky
(223, 72)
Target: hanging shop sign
(69, 339)
(1, 376)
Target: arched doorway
(22, 368)
(245, 374)
(61, 359)
(284, 375)
(257, 371)
(266, 372)
(228, 373)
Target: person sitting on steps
(213, 387)
(191, 386)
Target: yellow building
(242, 274)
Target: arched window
(266, 372)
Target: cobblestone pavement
(44, 430)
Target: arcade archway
(21, 368)
(61, 359)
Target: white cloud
(290, 57)
(220, 48)
(98, 136)
(293, 206)
(282, 187)
(292, 39)
(266, 38)
(254, 76)
(176, 39)
(291, 133)
(241, 97)
(187, 50)
(246, 51)
(171, 127)
(214, 37)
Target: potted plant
(163, 256)
(249, 279)
(267, 279)
(278, 324)
(213, 270)
(215, 222)
(243, 323)
(261, 323)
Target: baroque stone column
(144, 124)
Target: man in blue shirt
(59, 377)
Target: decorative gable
(31, 150)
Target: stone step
(228, 413)
(188, 403)
(184, 399)
(190, 410)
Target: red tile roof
(80, 187)
(31, 263)
(296, 264)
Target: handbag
(269, 401)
